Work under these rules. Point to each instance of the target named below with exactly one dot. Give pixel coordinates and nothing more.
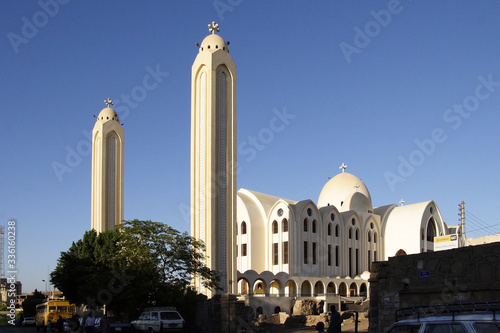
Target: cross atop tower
(108, 102)
(213, 27)
(343, 167)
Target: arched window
(243, 228)
(285, 225)
(314, 226)
(336, 230)
(431, 230)
(357, 234)
(305, 224)
(329, 229)
(275, 227)
(374, 237)
(400, 252)
(350, 233)
(111, 171)
(369, 237)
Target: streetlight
(45, 286)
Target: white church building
(293, 248)
(273, 249)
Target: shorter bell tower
(107, 170)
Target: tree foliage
(30, 303)
(174, 257)
(140, 263)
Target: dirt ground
(347, 326)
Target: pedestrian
(104, 324)
(74, 324)
(335, 321)
(90, 323)
(60, 325)
(49, 329)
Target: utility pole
(461, 214)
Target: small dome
(338, 190)
(108, 114)
(213, 43)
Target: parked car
(28, 321)
(159, 319)
(452, 319)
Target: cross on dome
(108, 102)
(343, 167)
(213, 27)
(402, 202)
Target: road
(14, 329)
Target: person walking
(90, 323)
(74, 324)
(60, 325)
(335, 321)
(104, 324)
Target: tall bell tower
(213, 158)
(107, 170)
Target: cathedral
(271, 251)
(279, 249)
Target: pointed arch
(343, 289)
(306, 289)
(400, 252)
(319, 288)
(290, 288)
(331, 288)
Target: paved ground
(14, 329)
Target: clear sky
(406, 93)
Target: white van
(469, 318)
(159, 319)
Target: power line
(485, 227)
(475, 217)
(475, 220)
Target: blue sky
(406, 93)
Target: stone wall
(464, 275)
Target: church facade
(293, 248)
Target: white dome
(108, 114)
(213, 43)
(340, 189)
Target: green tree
(30, 303)
(174, 256)
(140, 263)
(87, 271)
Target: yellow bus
(51, 310)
